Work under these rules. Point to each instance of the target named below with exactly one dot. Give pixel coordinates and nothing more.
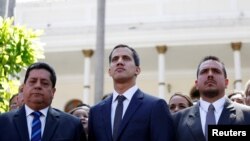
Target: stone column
(161, 49)
(86, 78)
(99, 52)
(236, 46)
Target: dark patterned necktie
(118, 115)
(36, 127)
(210, 119)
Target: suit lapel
(21, 124)
(51, 124)
(133, 106)
(194, 124)
(106, 112)
(228, 114)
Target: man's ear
(53, 91)
(138, 70)
(196, 84)
(226, 82)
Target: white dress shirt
(218, 105)
(128, 94)
(30, 117)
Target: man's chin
(211, 93)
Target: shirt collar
(128, 94)
(29, 110)
(218, 104)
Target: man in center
(129, 114)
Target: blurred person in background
(179, 101)
(13, 102)
(247, 93)
(194, 95)
(20, 100)
(16, 101)
(237, 96)
(82, 112)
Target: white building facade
(189, 29)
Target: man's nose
(210, 72)
(120, 61)
(38, 84)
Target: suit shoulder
(184, 112)
(108, 100)
(7, 117)
(62, 115)
(152, 98)
(8, 114)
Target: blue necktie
(210, 119)
(118, 115)
(36, 127)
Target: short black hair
(135, 54)
(42, 65)
(214, 58)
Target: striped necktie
(36, 127)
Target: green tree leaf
(19, 47)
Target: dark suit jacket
(147, 118)
(188, 123)
(59, 126)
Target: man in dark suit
(190, 123)
(51, 124)
(144, 117)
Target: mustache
(210, 81)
